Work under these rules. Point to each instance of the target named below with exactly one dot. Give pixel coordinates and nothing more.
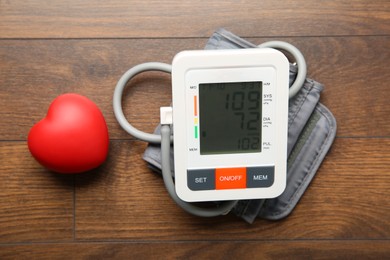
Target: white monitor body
(230, 115)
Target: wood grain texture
(121, 210)
(35, 205)
(328, 249)
(354, 70)
(150, 18)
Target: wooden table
(121, 210)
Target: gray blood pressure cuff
(311, 131)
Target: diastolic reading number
(246, 106)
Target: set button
(201, 179)
(230, 178)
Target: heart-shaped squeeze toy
(72, 138)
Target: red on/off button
(230, 178)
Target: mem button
(201, 179)
(258, 177)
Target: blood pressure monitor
(230, 114)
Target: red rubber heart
(72, 138)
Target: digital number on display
(230, 117)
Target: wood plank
(347, 200)
(35, 204)
(90, 68)
(119, 18)
(353, 71)
(328, 249)
(350, 72)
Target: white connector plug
(166, 116)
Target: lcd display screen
(230, 117)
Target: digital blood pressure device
(228, 124)
(230, 114)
